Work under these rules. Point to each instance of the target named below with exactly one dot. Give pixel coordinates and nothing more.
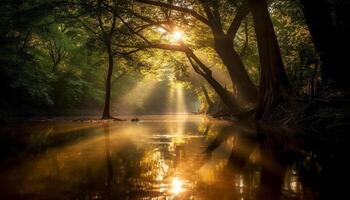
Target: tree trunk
(106, 110)
(207, 98)
(330, 40)
(226, 97)
(244, 88)
(274, 87)
(313, 81)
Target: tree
(100, 19)
(274, 87)
(245, 90)
(330, 38)
(207, 98)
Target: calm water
(159, 157)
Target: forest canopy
(67, 57)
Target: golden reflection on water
(157, 158)
(176, 185)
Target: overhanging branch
(177, 8)
(155, 23)
(236, 22)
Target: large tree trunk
(274, 87)
(330, 39)
(106, 110)
(244, 88)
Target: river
(157, 157)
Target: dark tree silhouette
(274, 87)
(329, 28)
(223, 44)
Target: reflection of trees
(135, 172)
(108, 161)
(257, 163)
(110, 166)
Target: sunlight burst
(178, 35)
(176, 186)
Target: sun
(176, 186)
(178, 35)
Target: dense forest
(276, 62)
(241, 57)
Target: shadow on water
(263, 163)
(109, 164)
(159, 158)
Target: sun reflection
(176, 186)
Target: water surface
(158, 157)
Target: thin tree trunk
(274, 87)
(226, 97)
(313, 80)
(106, 111)
(207, 98)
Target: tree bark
(274, 87)
(227, 98)
(224, 95)
(106, 111)
(207, 98)
(244, 88)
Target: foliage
(53, 60)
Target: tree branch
(195, 67)
(215, 22)
(132, 30)
(177, 8)
(82, 23)
(113, 20)
(106, 38)
(170, 47)
(236, 22)
(130, 52)
(155, 23)
(205, 69)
